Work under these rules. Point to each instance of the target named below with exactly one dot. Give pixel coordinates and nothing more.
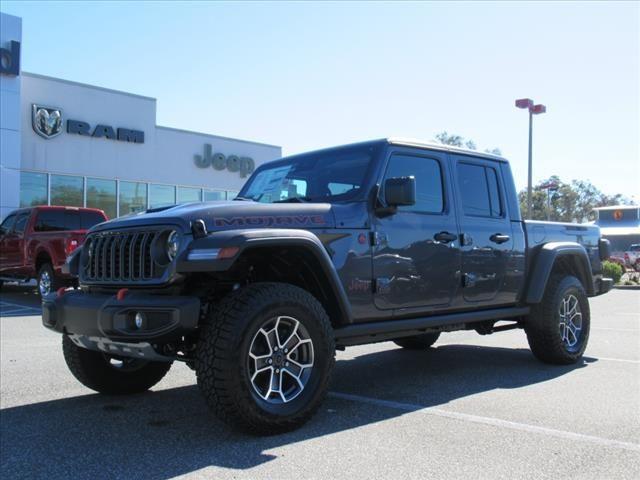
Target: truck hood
(226, 215)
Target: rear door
(486, 237)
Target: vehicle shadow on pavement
(19, 301)
(165, 433)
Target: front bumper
(165, 318)
(605, 284)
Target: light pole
(533, 110)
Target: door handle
(499, 238)
(444, 237)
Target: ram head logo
(46, 121)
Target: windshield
(326, 176)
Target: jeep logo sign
(218, 161)
(10, 59)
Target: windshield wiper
(294, 200)
(244, 199)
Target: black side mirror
(399, 191)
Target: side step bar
(360, 333)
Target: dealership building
(67, 143)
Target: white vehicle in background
(632, 256)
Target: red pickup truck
(35, 242)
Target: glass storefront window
(67, 190)
(161, 195)
(188, 194)
(212, 195)
(133, 197)
(102, 194)
(33, 189)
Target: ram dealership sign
(233, 163)
(47, 122)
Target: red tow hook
(121, 294)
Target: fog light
(139, 320)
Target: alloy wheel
(280, 360)
(570, 322)
(44, 285)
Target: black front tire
(95, 370)
(544, 326)
(223, 361)
(418, 342)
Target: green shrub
(612, 270)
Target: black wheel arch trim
(253, 238)
(545, 260)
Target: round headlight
(173, 242)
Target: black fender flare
(544, 261)
(254, 238)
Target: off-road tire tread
(542, 329)
(91, 369)
(216, 362)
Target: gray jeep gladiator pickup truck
(387, 240)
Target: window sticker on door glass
(268, 181)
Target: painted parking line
(494, 422)
(617, 329)
(624, 360)
(8, 308)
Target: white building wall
(166, 156)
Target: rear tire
(558, 327)
(262, 336)
(101, 373)
(47, 280)
(418, 342)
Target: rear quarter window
(479, 190)
(89, 219)
(51, 221)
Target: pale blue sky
(308, 75)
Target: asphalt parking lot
(475, 406)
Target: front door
(416, 258)
(486, 237)
(13, 244)
(6, 230)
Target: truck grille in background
(121, 257)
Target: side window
(428, 175)
(494, 192)
(51, 221)
(7, 224)
(479, 190)
(21, 223)
(72, 220)
(89, 219)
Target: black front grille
(121, 257)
